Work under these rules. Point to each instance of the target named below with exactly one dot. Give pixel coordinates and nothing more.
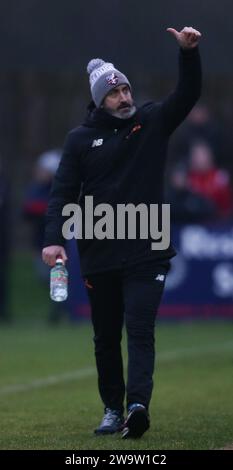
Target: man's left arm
(188, 90)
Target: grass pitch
(49, 397)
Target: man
(118, 156)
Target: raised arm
(180, 102)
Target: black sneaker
(112, 422)
(137, 421)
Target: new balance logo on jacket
(160, 277)
(97, 142)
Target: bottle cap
(59, 260)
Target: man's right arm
(65, 189)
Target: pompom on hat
(103, 77)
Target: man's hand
(50, 253)
(187, 38)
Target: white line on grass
(90, 371)
(50, 380)
(195, 351)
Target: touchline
(154, 222)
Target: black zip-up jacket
(126, 167)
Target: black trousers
(131, 296)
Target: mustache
(124, 105)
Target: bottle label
(59, 277)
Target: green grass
(191, 408)
(29, 297)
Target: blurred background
(44, 92)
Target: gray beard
(124, 115)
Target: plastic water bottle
(59, 281)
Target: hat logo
(112, 79)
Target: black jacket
(128, 167)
